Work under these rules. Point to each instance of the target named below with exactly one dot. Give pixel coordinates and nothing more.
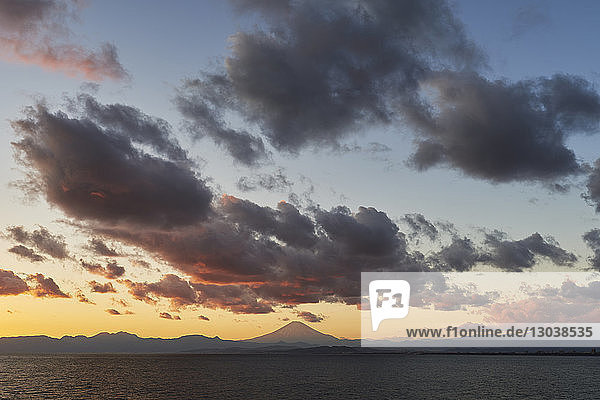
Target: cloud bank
(315, 73)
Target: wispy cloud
(36, 32)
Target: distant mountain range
(295, 335)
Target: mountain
(292, 336)
(298, 332)
(121, 342)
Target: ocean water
(298, 377)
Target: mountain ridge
(293, 335)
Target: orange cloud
(45, 287)
(36, 32)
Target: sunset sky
(222, 167)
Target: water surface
(298, 377)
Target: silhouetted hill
(298, 332)
(294, 335)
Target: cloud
(101, 249)
(592, 239)
(336, 62)
(459, 255)
(310, 317)
(502, 131)
(593, 186)
(203, 318)
(170, 286)
(166, 315)
(36, 32)
(275, 182)
(570, 302)
(235, 264)
(95, 171)
(351, 66)
(102, 287)
(11, 284)
(112, 311)
(202, 104)
(368, 232)
(45, 287)
(518, 255)
(235, 254)
(420, 226)
(82, 298)
(500, 252)
(26, 252)
(138, 126)
(111, 271)
(120, 302)
(239, 299)
(454, 300)
(141, 263)
(44, 241)
(286, 223)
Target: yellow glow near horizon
(25, 315)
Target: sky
(223, 167)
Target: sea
(282, 376)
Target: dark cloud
(276, 182)
(138, 126)
(318, 73)
(373, 148)
(202, 103)
(26, 252)
(520, 254)
(111, 271)
(44, 241)
(82, 298)
(203, 318)
(36, 32)
(251, 258)
(500, 252)
(112, 311)
(285, 223)
(459, 255)
(368, 232)
(420, 226)
(310, 317)
(503, 131)
(239, 299)
(45, 287)
(170, 286)
(166, 315)
(323, 70)
(101, 249)
(592, 239)
(97, 287)
(94, 171)
(11, 284)
(593, 186)
(238, 255)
